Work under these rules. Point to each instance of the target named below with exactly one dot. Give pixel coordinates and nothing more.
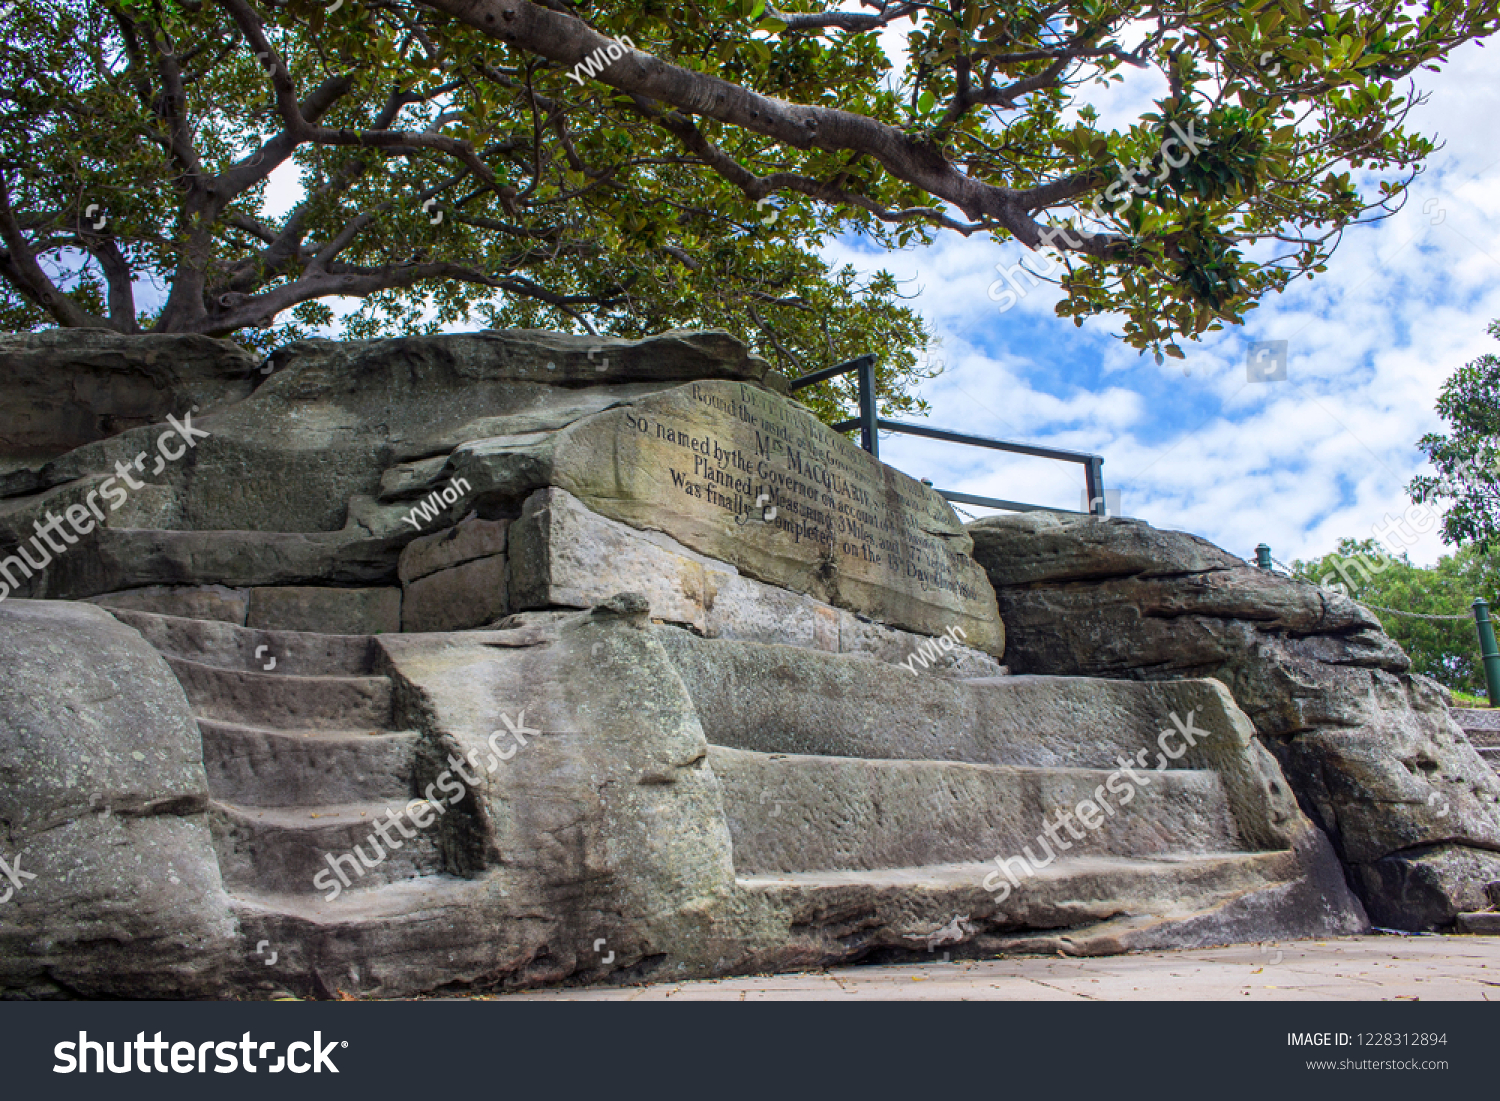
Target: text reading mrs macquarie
(820, 492)
(845, 527)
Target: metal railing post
(868, 430)
(1263, 556)
(1488, 650)
(1093, 479)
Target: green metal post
(1263, 556)
(1488, 649)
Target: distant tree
(1467, 460)
(1446, 651)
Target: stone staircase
(867, 809)
(303, 760)
(904, 847)
(1482, 726)
(878, 806)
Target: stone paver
(1371, 968)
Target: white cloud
(1295, 464)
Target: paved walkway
(1373, 968)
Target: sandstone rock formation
(592, 796)
(1371, 749)
(111, 886)
(67, 388)
(520, 658)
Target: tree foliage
(513, 162)
(1467, 460)
(1447, 651)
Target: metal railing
(870, 424)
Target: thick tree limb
(759, 187)
(569, 41)
(361, 280)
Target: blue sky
(1195, 446)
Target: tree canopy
(626, 168)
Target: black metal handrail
(870, 424)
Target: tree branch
(842, 20)
(19, 268)
(569, 41)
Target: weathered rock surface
(848, 530)
(330, 419)
(1371, 749)
(328, 469)
(589, 796)
(329, 611)
(742, 476)
(562, 555)
(67, 388)
(639, 724)
(103, 816)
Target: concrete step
(255, 767)
(1481, 737)
(227, 646)
(783, 699)
(796, 813)
(285, 701)
(287, 850)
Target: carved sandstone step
(1485, 923)
(299, 653)
(285, 701)
(886, 907)
(367, 940)
(780, 699)
(794, 813)
(255, 767)
(286, 850)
